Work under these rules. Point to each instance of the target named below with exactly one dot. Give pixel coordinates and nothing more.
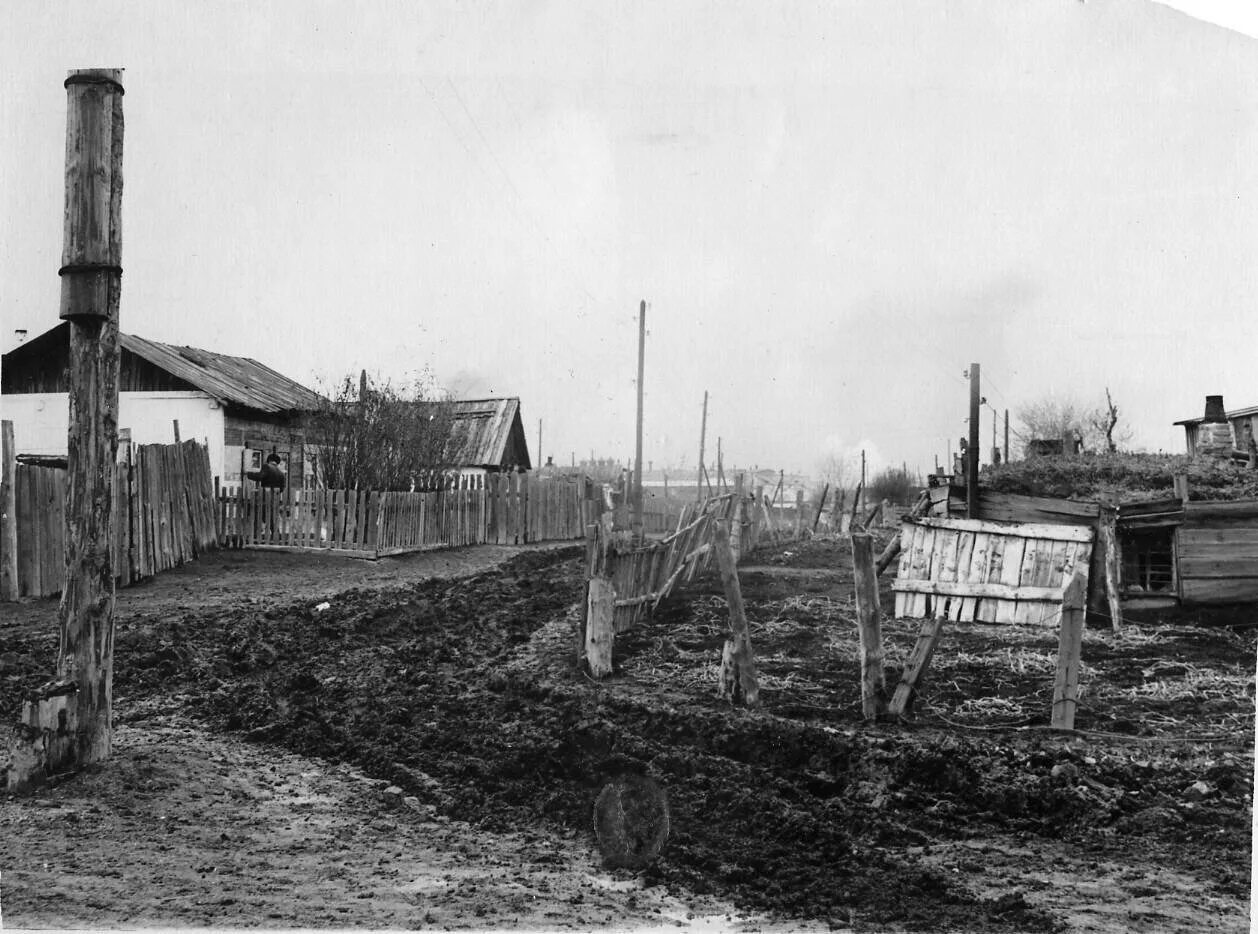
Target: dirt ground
(420, 753)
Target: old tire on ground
(631, 821)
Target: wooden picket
(502, 509)
(162, 516)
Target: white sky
(831, 208)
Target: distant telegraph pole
(637, 462)
(971, 453)
(1007, 457)
(703, 434)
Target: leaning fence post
(873, 681)
(600, 605)
(1066, 684)
(1108, 527)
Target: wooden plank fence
(498, 509)
(975, 570)
(162, 516)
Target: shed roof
(1232, 413)
(487, 433)
(232, 380)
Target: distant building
(486, 435)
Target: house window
(1148, 565)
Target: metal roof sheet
(234, 380)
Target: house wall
(41, 420)
(1217, 551)
(254, 438)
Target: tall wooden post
(8, 515)
(971, 453)
(703, 435)
(1007, 457)
(637, 454)
(66, 724)
(541, 462)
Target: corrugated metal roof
(480, 431)
(234, 380)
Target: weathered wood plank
(1065, 533)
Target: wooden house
(243, 409)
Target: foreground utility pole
(971, 453)
(66, 724)
(637, 456)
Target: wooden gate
(974, 570)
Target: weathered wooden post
(736, 520)
(1108, 527)
(1070, 642)
(67, 722)
(799, 514)
(873, 681)
(737, 681)
(600, 603)
(8, 516)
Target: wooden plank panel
(1241, 537)
(1066, 533)
(994, 591)
(1231, 590)
(1011, 574)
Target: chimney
(1214, 434)
(1214, 409)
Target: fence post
(1070, 643)
(873, 681)
(1108, 528)
(600, 606)
(737, 681)
(8, 515)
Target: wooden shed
(486, 435)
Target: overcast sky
(831, 208)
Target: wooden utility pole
(703, 436)
(541, 462)
(995, 450)
(971, 453)
(637, 459)
(67, 723)
(1007, 457)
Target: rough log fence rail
(163, 516)
(642, 577)
(501, 509)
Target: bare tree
(1104, 421)
(377, 436)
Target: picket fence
(162, 516)
(501, 509)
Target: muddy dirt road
(456, 693)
